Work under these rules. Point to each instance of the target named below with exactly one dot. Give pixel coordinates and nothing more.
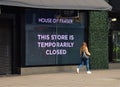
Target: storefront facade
(42, 39)
(114, 32)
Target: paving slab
(98, 78)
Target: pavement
(98, 78)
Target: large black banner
(53, 41)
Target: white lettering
(56, 52)
(55, 44)
(55, 20)
(59, 37)
(43, 37)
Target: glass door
(116, 46)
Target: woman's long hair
(83, 47)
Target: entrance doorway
(116, 46)
(5, 46)
(114, 39)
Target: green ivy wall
(98, 39)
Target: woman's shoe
(89, 72)
(77, 70)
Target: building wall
(98, 45)
(98, 39)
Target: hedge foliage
(98, 39)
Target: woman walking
(84, 53)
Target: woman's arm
(87, 52)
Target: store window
(53, 37)
(116, 46)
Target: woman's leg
(88, 66)
(81, 64)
